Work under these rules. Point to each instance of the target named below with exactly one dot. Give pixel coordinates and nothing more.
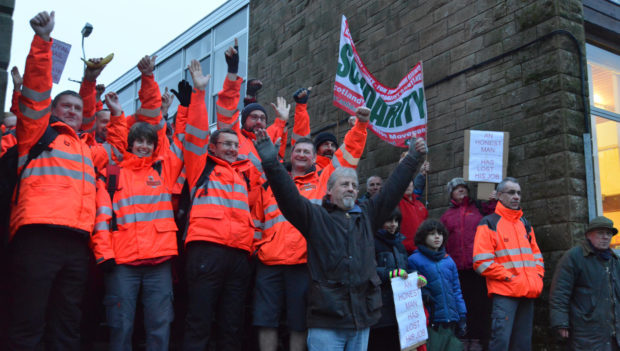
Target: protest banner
(60, 53)
(409, 312)
(485, 159)
(397, 114)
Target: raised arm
(197, 128)
(116, 141)
(17, 87)
(88, 92)
(301, 128)
(276, 129)
(383, 203)
(352, 148)
(35, 100)
(228, 98)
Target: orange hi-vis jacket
(142, 204)
(281, 243)
(228, 117)
(58, 187)
(181, 120)
(350, 151)
(506, 253)
(8, 137)
(89, 99)
(8, 141)
(220, 213)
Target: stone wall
(6, 30)
(533, 93)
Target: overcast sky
(129, 29)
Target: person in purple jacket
(461, 219)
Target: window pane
(198, 49)
(604, 72)
(232, 25)
(607, 136)
(171, 67)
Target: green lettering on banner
(419, 101)
(353, 77)
(407, 103)
(393, 116)
(345, 53)
(377, 114)
(368, 92)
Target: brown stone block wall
(534, 93)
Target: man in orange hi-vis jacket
(253, 116)
(53, 212)
(506, 253)
(220, 233)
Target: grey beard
(348, 203)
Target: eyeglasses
(261, 118)
(512, 192)
(229, 144)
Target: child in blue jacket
(442, 295)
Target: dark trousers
(384, 339)
(512, 323)
(474, 288)
(217, 279)
(49, 271)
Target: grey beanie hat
(456, 182)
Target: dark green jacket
(584, 298)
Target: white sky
(129, 29)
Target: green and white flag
(397, 114)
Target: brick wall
(534, 93)
(6, 32)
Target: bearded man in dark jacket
(344, 298)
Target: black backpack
(9, 177)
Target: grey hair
(502, 185)
(372, 176)
(339, 173)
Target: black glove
(233, 61)
(254, 85)
(108, 265)
(266, 150)
(461, 330)
(184, 94)
(304, 99)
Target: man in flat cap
(584, 300)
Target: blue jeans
(347, 339)
(512, 321)
(122, 287)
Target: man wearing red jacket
(507, 255)
(54, 209)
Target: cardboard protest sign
(409, 312)
(485, 159)
(60, 53)
(397, 114)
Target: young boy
(442, 295)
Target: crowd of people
(136, 195)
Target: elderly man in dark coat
(344, 298)
(584, 300)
